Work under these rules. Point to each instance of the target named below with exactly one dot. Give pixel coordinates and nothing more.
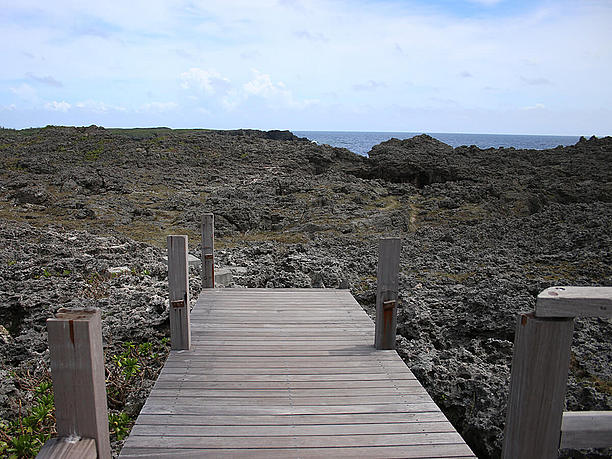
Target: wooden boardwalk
(288, 373)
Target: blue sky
(481, 66)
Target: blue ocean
(362, 142)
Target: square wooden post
(178, 284)
(208, 249)
(387, 292)
(77, 370)
(540, 365)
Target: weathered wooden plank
(182, 391)
(289, 371)
(271, 362)
(183, 383)
(537, 387)
(205, 354)
(241, 346)
(447, 451)
(586, 429)
(178, 285)
(244, 371)
(575, 302)
(208, 250)
(302, 441)
(161, 406)
(336, 379)
(288, 399)
(67, 448)
(291, 419)
(77, 370)
(292, 430)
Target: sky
(475, 66)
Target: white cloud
(534, 107)
(56, 106)
(370, 85)
(46, 80)
(159, 107)
(195, 53)
(486, 2)
(98, 106)
(275, 94)
(537, 81)
(262, 85)
(25, 92)
(208, 81)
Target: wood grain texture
(538, 382)
(575, 302)
(77, 370)
(178, 285)
(586, 429)
(288, 373)
(387, 288)
(61, 448)
(208, 251)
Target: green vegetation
(95, 153)
(35, 423)
(148, 133)
(24, 436)
(134, 362)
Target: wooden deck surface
(288, 373)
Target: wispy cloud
(129, 62)
(46, 80)
(97, 106)
(486, 2)
(207, 81)
(94, 27)
(311, 36)
(159, 107)
(538, 81)
(56, 106)
(25, 92)
(370, 85)
(534, 107)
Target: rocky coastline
(84, 214)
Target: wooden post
(586, 429)
(540, 365)
(77, 370)
(208, 248)
(68, 448)
(387, 292)
(178, 284)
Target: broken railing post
(178, 284)
(387, 292)
(208, 247)
(77, 370)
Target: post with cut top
(540, 365)
(77, 370)
(208, 248)
(178, 284)
(387, 292)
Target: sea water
(362, 142)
